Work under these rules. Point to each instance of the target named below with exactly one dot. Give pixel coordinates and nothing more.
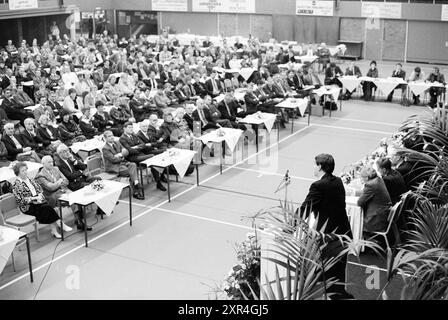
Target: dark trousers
(367, 88)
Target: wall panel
(243, 24)
(227, 24)
(305, 29)
(261, 26)
(427, 42)
(283, 27)
(199, 23)
(394, 40)
(327, 30)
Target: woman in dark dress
(31, 200)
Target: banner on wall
(314, 8)
(444, 12)
(384, 10)
(170, 5)
(233, 6)
(22, 4)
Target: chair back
(94, 164)
(8, 206)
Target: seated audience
(15, 146)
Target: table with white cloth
(328, 91)
(295, 104)
(420, 87)
(355, 217)
(261, 119)
(89, 146)
(180, 159)
(105, 199)
(7, 174)
(306, 59)
(230, 138)
(8, 241)
(386, 85)
(350, 83)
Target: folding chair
(392, 218)
(12, 215)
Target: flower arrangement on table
(220, 132)
(97, 185)
(243, 276)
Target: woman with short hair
(31, 200)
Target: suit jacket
(331, 73)
(101, 122)
(152, 137)
(209, 86)
(355, 72)
(271, 92)
(13, 151)
(252, 102)
(45, 137)
(132, 141)
(189, 120)
(30, 141)
(233, 107)
(326, 198)
(395, 185)
(207, 114)
(73, 171)
(401, 74)
(375, 201)
(13, 110)
(112, 163)
(200, 89)
(47, 180)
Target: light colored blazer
(48, 183)
(69, 105)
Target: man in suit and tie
(331, 75)
(434, 92)
(326, 199)
(12, 109)
(228, 108)
(16, 147)
(165, 75)
(398, 73)
(138, 151)
(115, 162)
(198, 86)
(153, 138)
(31, 139)
(52, 103)
(213, 85)
(352, 70)
(203, 115)
(152, 81)
(73, 169)
(251, 100)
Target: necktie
(153, 83)
(68, 165)
(114, 146)
(215, 87)
(16, 142)
(202, 116)
(228, 109)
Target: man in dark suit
(213, 85)
(331, 75)
(198, 86)
(152, 138)
(16, 147)
(138, 151)
(352, 70)
(73, 168)
(397, 73)
(31, 139)
(393, 180)
(203, 115)
(326, 199)
(251, 100)
(434, 92)
(114, 162)
(228, 108)
(12, 108)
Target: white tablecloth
(387, 85)
(328, 90)
(231, 137)
(7, 174)
(8, 240)
(179, 158)
(89, 145)
(355, 217)
(350, 82)
(104, 199)
(246, 73)
(419, 87)
(309, 59)
(293, 103)
(268, 119)
(31, 108)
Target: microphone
(286, 180)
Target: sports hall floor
(183, 249)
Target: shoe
(138, 196)
(82, 227)
(161, 187)
(55, 234)
(66, 228)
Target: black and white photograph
(223, 155)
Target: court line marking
(367, 121)
(179, 213)
(270, 173)
(149, 210)
(353, 129)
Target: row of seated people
(333, 72)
